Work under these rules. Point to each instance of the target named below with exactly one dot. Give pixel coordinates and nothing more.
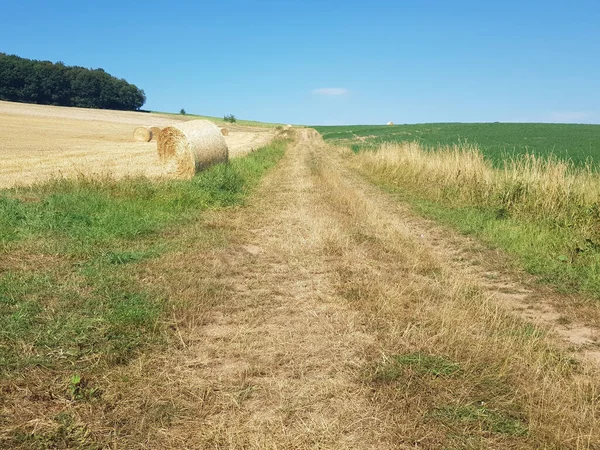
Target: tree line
(46, 83)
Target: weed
(79, 389)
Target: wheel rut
(279, 358)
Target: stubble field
(43, 142)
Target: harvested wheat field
(42, 142)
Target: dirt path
(287, 327)
(278, 355)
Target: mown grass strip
(68, 293)
(554, 255)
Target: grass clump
(63, 432)
(475, 417)
(401, 366)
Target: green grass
(398, 367)
(559, 256)
(495, 140)
(477, 417)
(69, 296)
(470, 401)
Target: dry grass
(304, 333)
(528, 186)
(543, 212)
(510, 371)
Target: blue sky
(331, 62)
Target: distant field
(496, 140)
(220, 120)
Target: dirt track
(293, 317)
(41, 142)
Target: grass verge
(69, 298)
(543, 212)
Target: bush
(182, 112)
(229, 118)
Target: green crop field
(496, 140)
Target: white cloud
(568, 116)
(330, 91)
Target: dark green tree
(47, 83)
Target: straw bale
(190, 147)
(224, 131)
(155, 132)
(390, 123)
(142, 134)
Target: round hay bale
(155, 132)
(190, 147)
(390, 123)
(142, 134)
(224, 131)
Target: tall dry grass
(529, 186)
(501, 382)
